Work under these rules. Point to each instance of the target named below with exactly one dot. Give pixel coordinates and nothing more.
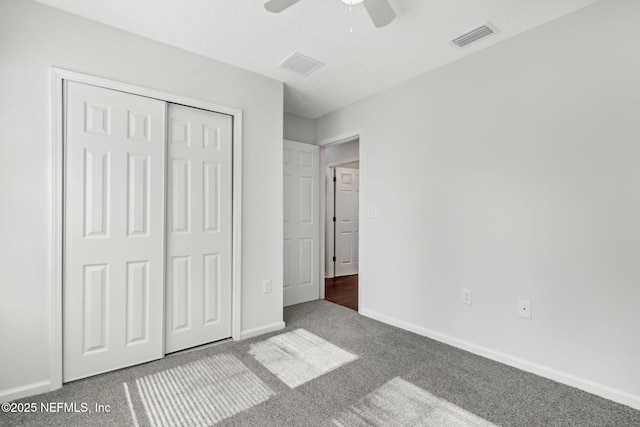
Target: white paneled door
(198, 297)
(141, 251)
(347, 221)
(114, 227)
(301, 223)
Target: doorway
(342, 199)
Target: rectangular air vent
(300, 64)
(478, 33)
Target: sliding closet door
(198, 307)
(114, 222)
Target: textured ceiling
(357, 64)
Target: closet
(147, 229)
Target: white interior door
(301, 223)
(114, 253)
(198, 307)
(347, 225)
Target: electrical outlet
(524, 308)
(466, 296)
(266, 286)
(372, 212)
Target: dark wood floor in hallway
(342, 290)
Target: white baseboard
(598, 389)
(24, 391)
(250, 333)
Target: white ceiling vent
(478, 33)
(300, 64)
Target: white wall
(338, 154)
(351, 165)
(298, 128)
(514, 172)
(32, 39)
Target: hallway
(342, 290)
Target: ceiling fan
(379, 11)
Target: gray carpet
(329, 367)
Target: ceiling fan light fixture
(380, 11)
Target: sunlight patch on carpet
(400, 403)
(299, 356)
(201, 393)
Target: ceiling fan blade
(277, 6)
(380, 12)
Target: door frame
(330, 207)
(331, 225)
(58, 77)
(324, 167)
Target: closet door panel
(114, 230)
(198, 228)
